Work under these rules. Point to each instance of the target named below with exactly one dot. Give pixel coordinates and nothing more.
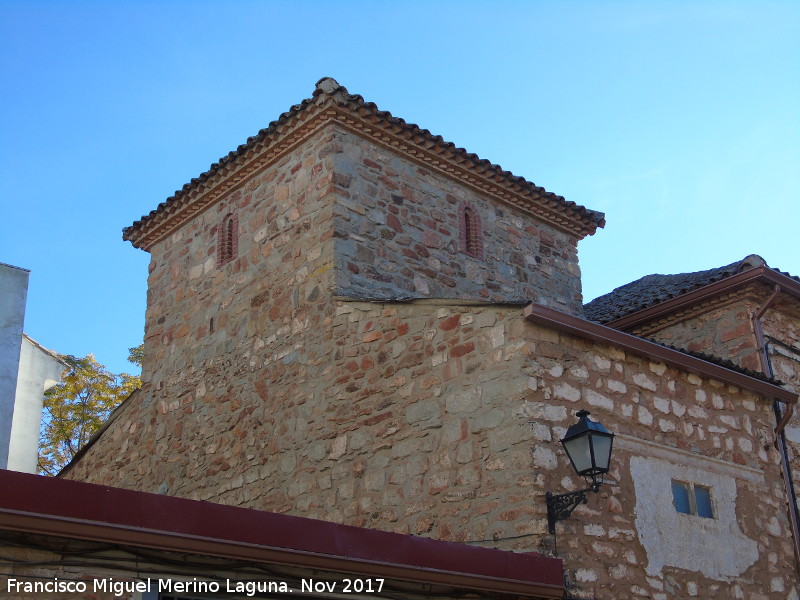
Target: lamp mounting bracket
(560, 506)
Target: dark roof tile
(724, 362)
(654, 289)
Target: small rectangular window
(691, 499)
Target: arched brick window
(470, 231)
(227, 239)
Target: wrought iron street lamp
(588, 445)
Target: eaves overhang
(51, 353)
(78, 510)
(603, 334)
(333, 104)
(763, 274)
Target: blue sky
(679, 120)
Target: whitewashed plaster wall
(39, 369)
(13, 296)
(716, 547)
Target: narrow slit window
(227, 240)
(470, 232)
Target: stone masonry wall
(786, 366)
(785, 361)
(443, 420)
(217, 338)
(120, 572)
(253, 334)
(629, 542)
(397, 228)
(435, 418)
(725, 332)
(29, 562)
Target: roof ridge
(656, 288)
(647, 292)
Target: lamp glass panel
(602, 451)
(578, 450)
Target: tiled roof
(654, 289)
(724, 362)
(328, 98)
(785, 274)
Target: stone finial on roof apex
(751, 261)
(327, 85)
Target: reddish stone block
(751, 361)
(421, 250)
(388, 183)
(372, 336)
(461, 349)
(371, 164)
(431, 240)
(735, 332)
(700, 345)
(450, 323)
(410, 359)
(377, 418)
(393, 222)
(262, 389)
(452, 369)
(423, 525)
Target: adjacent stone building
(352, 320)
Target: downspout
(766, 364)
(780, 437)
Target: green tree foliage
(136, 355)
(76, 408)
